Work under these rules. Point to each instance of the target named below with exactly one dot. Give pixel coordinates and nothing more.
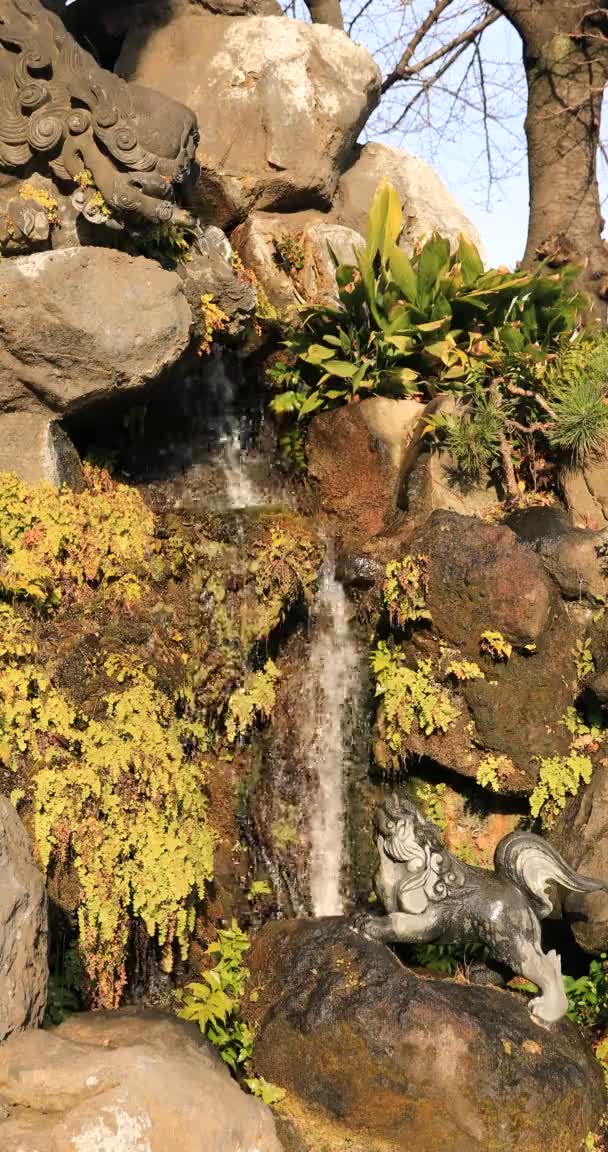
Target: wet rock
(23, 929)
(427, 204)
(435, 483)
(288, 252)
(581, 835)
(569, 554)
(112, 1081)
(374, 1057)
(480, 578)
(37, 448)
(281, 104)
(80, 325)
(356, 454)
(211, 271)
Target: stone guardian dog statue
(430, 896)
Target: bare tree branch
(405, 71)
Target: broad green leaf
(342, 369)
(336, 393)
(385, 221)
(402, 272)
(286, 402)
(433, 263)
(470, 261)
(316, 354)
(432, 325)
(311, 403)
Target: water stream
(329, 730)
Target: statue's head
(400, 827)
(60, 107)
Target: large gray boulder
(122, 1082)
(427, 204)
(280, 104)
(23, 929)
(82, 324)
(375, 1057)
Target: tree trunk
(566, 63)
(325, 12)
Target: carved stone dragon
(431, 896)
(61, 111)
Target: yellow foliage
(255, 699)
(44, 199)
(59, 545)
(214, 319)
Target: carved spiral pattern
(164, 211)
(45, 131)
(33, 96)
(106, 117)
(78, 121)
(42, 70)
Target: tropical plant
(408, 326)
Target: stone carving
(429, 895)
(61, 111)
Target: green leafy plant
(464, 670)
(214, 1003)
(409, 697)
(588, 995)
(290, 251)
(559, 777)
(404, 590)
(494, 645)
(259, 888)
(408, 326)
(583, 658)
(492, 771)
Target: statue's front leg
(398, 928)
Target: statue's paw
(363, 924)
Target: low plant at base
(215, 1005)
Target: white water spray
(241, 489)
(335, 687)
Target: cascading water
(241, 489)
(329, 736)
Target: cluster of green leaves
(588, 995)
(404, 590)
(214, 1003)
(409, 696)
(559, 777)
(405, 326)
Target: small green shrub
(409, 697)
(559, 777)
(215, 1005)
(588, 995)
(404, 590)
(494, 645)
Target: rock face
(586, 495)
(481, 579)
(81, 324)
(375, 1058)
(267, 240)
(433, 483)
(121, 1082)
(581, 837)
(211, 271)
(23, 929)
(280, 104)
(427, 205)
(356, 455)
(38, 449)
(569, 554)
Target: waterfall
(328, 736)
(242, 491)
